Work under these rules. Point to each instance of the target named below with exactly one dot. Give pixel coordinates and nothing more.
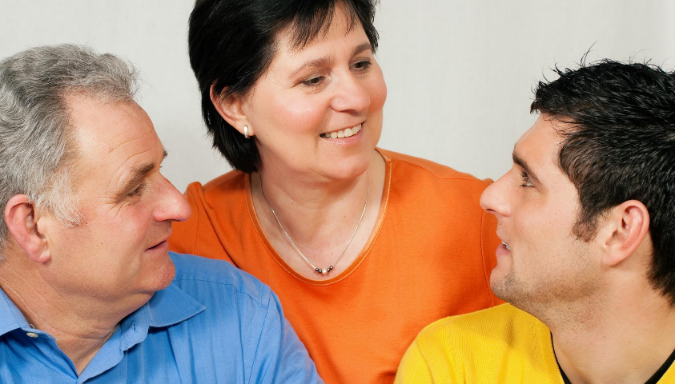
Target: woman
(363, 246)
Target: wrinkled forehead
(109, 136)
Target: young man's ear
(21, 218)
(231, 109)
(623, 231)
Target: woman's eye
(362, 65)
(313, 81)
(525, 182)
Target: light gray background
(459, 73)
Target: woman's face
(317, 111)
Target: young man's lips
(503, 249)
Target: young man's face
(537, 205)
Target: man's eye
(137, 192)
(526, 182)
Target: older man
(90, 292)
(587, 217)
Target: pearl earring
(246, 132)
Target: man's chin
(163, 275)
(504, 286)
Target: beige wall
(459, 73)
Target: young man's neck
(616, 342)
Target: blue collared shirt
(213, 324)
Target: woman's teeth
(507, 246)
(349, 132)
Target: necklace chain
(317, 269)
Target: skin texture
(595, 296)
(114, 142)
(331, 84)
(537, 207)
(77, 283)
(316, 185)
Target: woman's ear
(21, 218)
(623, 231)
(231, 109)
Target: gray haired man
(90, 292)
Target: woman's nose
(351, 95)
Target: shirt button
(32, 334)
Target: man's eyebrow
(523, 164)
(137, 174)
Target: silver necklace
(317, 269)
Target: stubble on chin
(552, 301)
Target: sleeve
(413, 368)
(280, 356)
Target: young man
(587, 264)
(90, 292)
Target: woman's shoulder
(223, 185)
(406, 166)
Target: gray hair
(36, 149)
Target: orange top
(428, 257)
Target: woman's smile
(343, 133)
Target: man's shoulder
(487, 324)
(495, 345)
(194, 272)
(492, 333)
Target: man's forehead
(539, 146)
(111, 138)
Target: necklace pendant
(324, 271)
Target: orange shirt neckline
(362, 255)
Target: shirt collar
(171, 306)
(11, 317)
(166, 307)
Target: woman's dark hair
(619, 146)
(232, 43)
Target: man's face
(120, 249)
(537, 206)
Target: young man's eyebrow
(523, 164)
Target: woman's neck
(318, 215)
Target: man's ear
(231, 109)
(21, 218)
(624, 229)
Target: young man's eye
(525, 180)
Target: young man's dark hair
(621, 146)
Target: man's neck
(615, 343)
(80, 325)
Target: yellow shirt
(497, 345)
